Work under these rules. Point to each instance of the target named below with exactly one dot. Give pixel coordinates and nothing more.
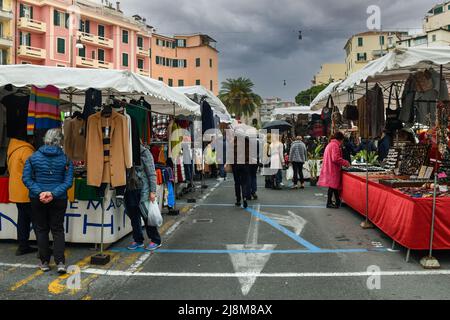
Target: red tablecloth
(406, 220)
(4, 194)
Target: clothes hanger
(107, 111)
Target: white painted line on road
(19, 265)
(291, 220)
(263, 275)
(135, 266)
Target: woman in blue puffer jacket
(48, 174)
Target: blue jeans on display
(132, 199)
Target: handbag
(351, 113)
(393, 122)
(133, 180)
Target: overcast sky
(258, 39)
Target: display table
(82, 222)
(405, 219)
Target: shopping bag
(290, 173)
(151, 210)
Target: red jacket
(331, 175)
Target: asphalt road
(287, 245)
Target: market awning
(321, 100)
(122, 84)
(398, 64)
(198, 92)
(294, 111)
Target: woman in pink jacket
(331, 173)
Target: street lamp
(79, 45)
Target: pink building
(110, 40)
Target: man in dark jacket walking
(298, 155)
(48, 174)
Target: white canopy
(321, 100)
(216, 104)
(75, 81)
(293, 111)
(398, 64)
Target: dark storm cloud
(259, 38)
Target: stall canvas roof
(216, 104)
(293, 111)
(75, 81)
(320, 101)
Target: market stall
(408, 196)
(81, 98)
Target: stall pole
(430, 262)
(102, 259)
(367, 224)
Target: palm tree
(238, 96)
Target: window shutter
(22, 11)
(29, 39)
(31, 12)
(87, 26)
(56, 17)
(67, 16)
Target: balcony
(142, 52)
(32, 25)
(143, 72)
(92, 39)
(84, 62)
(5, 42)
(92, 63)
(5, 15)
(32, 53)
(103, 64)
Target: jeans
(46, 218)
(253, 179)
(222, 172)
(132, 199)
(279, 177)
(337, 197)
(188, 172)
(298, 171)
(24, 224)
(241, 174)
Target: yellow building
(368, 46)
(330, 72)
(438, 17)
(6, 32)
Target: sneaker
(24, 251)
(245, 204)
(61, 268)
(238, 204)
(153, 246)
(135, 246)
(254, 197)
(44, 267)
(332, 206)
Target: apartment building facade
(436, 29)
(330, 72)
(269, 105)
(86, 34)
(185, 60)
(6, 31)
(368, 46)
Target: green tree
(238, 96)
(305, 97)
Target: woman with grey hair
(48, 174)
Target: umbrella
(277, 125)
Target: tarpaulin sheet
(404, 219)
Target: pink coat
(331, 175)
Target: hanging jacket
(48, 170)
(18, 153)
(331, 173)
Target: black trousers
(24, 224)
(50, 218)
(337, 197)
(298, 172)
(253, 178)
(132, 200)
(241, 174)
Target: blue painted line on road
(261, 205)
(287, 232)
(193, 251)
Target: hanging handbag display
(351, 113)
(393, 122)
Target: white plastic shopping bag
(154, 217)
(290, 173)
